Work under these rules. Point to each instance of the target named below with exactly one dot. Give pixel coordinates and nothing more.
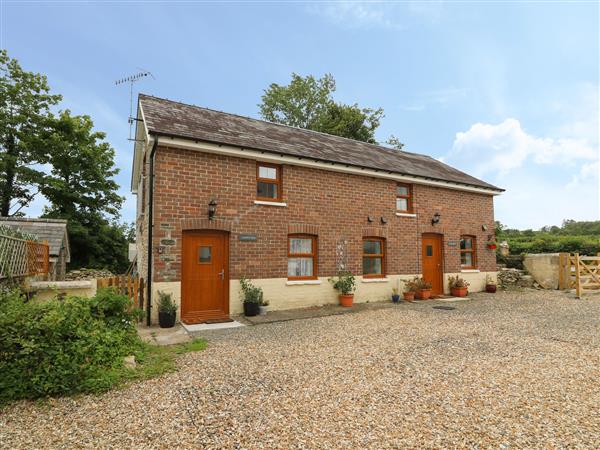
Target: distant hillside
(572, 236)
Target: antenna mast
(132, 79)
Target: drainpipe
(150, 226)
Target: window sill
(406, 214)
(263, 202)
(375, 280)
(301, 282)
(470, 271)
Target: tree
(394, 142)
(80, 188)
(307, 103)
(25, 104)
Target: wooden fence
(129, 285)
(579, 272)
(21, 258)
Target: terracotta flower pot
(423, 294)
(346, 300)
(491, 288)
(459, 291)
(409, 296)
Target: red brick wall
(335, 204)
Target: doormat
(211, 321)
(448, 308)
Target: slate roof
(54, 231)
(170, 118)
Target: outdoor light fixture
(383, 220)
(212, 209)
(484, 227)
(436, 218)
(369, 219)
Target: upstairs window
(404, 198)
(268, 182)
(373, 257)
(468, 252)
(302, 257)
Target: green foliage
(571, 237)
(250, 293)
(64, 346)
(25, 104)
(344, 282)
(165, 303)
(307, 103)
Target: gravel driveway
(511, 369)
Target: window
(468, 252)
(302, 257)
(403, 198)
(204, 255)
(268, 182)
(373, 257)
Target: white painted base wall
(281, 294)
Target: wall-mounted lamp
(383, 220)
(369, 219)
(484, 227)
(212, 209)
(436, 218)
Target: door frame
(440, 238)
(199, 317)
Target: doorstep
(211, 326)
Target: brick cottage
(230, 197)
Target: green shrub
(64, 346)
(250, 293)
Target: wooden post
(577, 277)
(562, 272)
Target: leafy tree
(80, 188)
(394, 142)
(24, 110)
(307, 103)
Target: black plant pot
(166, 320)
(395, 298)
(250, 309)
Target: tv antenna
(132, 79)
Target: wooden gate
(128, 285)
(579, 272)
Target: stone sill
(470, 271)
(406, 214)
(76, 284)
(261, 202)
(301, 282)
(375, 280)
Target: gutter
(150, 226)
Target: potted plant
(252, 297)
(262, 309)
(422, 288)
(490, 284)
(409, 290)
(492, 245)
(458, 286)
(344, 283)
(167, 310)
(395, 295)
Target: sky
(506, 91)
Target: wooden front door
(205, 276)
(431, 255)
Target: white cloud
(506, 146)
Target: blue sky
(503, 90)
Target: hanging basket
(492, 245)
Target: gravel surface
(515, 369)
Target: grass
(154, 361)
